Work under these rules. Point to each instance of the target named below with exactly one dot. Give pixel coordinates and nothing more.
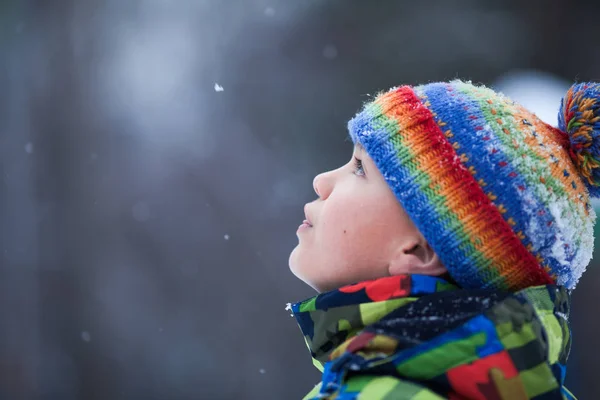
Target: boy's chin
(295, 264)
(293, 259)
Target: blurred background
(155, 157)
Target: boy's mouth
(306, 217)
(306, 223)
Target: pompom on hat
(502, 197)
(579, 121)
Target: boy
(466, 222)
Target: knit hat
(502, 197)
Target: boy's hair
(502, 197)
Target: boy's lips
(307, 223)
(307, 220)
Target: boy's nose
(322, 184)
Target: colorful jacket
(420, 337)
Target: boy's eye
(358, 167)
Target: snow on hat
(502, 197)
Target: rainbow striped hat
(502, 197)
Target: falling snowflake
(262, 371)
(269, 11)
(330, 52)
(29, 148)
(218, 88)
(86, 337)
(226, 237)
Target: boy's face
(354, 230)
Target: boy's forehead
(359, 147)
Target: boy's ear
(415, 256)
